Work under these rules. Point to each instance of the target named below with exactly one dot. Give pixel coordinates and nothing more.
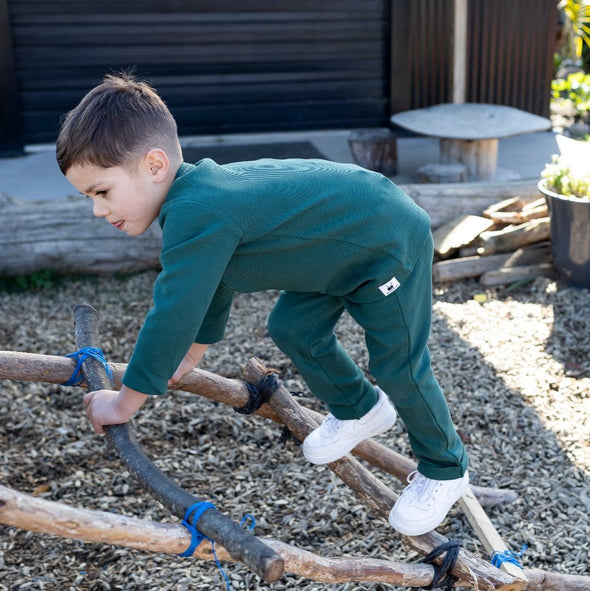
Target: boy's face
(130, 200)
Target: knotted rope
(259, 394)
(191, 518)
(499, 558)
(442, 574)
(77, 378)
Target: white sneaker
(424, 503)
(334, 438)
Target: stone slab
(470, 121)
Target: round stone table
(469, 132)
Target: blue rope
(251, 518)
(499, 558)
(191, 517)
(196, 511)
(77, 378)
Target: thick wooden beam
(486, 532)
(41, 238)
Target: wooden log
(40, 515)
(49, 517)
(465, 267)
(507, 275)
(215, 525)
(64, 237)
(513, 237)
(374, 150)
(56, 370)
(479, 156)
(517, 210)
(475, 266)
(443, 202)
(542, 580)
(511, 204)
(531, 254)
(459, 232)
(378, 496)
(372, 491)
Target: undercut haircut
(116, 124)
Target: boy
(332, 237)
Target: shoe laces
(422, 489)
(331, 425)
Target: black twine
(442, 574)
(259, 394)
(287, 436)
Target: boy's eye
(101, 193)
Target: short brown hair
(115, 124)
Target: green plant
(577, 13)
(34, 282)
(560, 179)
(576, 90)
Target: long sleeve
(213, 325)
(295, 225)
(197, 245)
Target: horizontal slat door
(223, 67)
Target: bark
(63, 236)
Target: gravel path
(515, 368)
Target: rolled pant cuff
(441, 473)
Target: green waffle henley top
(297, 225)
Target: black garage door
(223, 66)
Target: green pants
(396, 328)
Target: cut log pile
(506, 244)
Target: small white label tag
(389, 287)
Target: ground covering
(513, 361)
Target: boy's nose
(99, 210)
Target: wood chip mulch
(515, 366)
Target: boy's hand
(109, 407)
(190, 361)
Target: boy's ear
(156, 164)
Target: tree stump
(375, 150)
